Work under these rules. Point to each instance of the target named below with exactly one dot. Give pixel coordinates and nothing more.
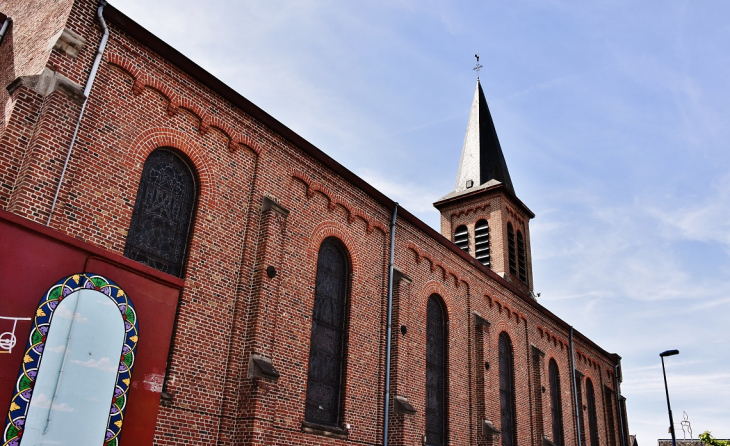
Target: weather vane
(477, 67)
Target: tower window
(481, 242)
(521, 261)
(461, 238)
(511, 249)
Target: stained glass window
(328, 327)
(592, 419)
(435, 373)
(158, 234)
(507, 390)
(556, 406)
(611, 420)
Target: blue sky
(613, 117)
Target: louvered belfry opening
(556, 406)
(592, 418)
(435, 373)
(328, 328)
(511, 249)
(481, 243)
(461, 238)
(521, 258)
(507, 390)
(159, 232)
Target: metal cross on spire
(477, 67)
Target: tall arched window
(163, 211)
(556, 406)
(461, 238)
(326, 351)
(592, 419)
(521, 260)
(511, 249)
(435, 373)
(507, 390)
(481, 242)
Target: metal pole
(389, 335)
(669, 407)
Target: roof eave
(489, 190)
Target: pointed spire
(481, 158)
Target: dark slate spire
(481, 158)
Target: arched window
(592, 419)
(481, 242)
(328, 329)
(556, 406)
(507, 390)
(511, 249)
(461, 238)
(521, 261)
(163, 211)
(608, 401)
(435, 373)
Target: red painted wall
(33, 258)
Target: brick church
(178, 267)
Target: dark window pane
(511, 249)
(435, 373)
(521, 257)
(158, 234)
(507, 390)
(592, 419)
(328, 324)
(556, 407)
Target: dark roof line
(160, 47)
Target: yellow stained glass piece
(76, 278)
(133, 338)
(40, 313)
(27, 359)
(126, 381)
(14, 406)
(118, 423)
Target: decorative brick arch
(327, 229)
(434, 287)
(155, 138)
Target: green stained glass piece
(130, 316)
(99, 282)
(11, 433)
(25, 383)
(37, 337)
(119, 402)
(128, 359)
(55, 293)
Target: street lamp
(666, 389)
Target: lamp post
(666, 389)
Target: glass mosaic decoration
(43, 318)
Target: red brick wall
(230, 309)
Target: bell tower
(483, 215)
